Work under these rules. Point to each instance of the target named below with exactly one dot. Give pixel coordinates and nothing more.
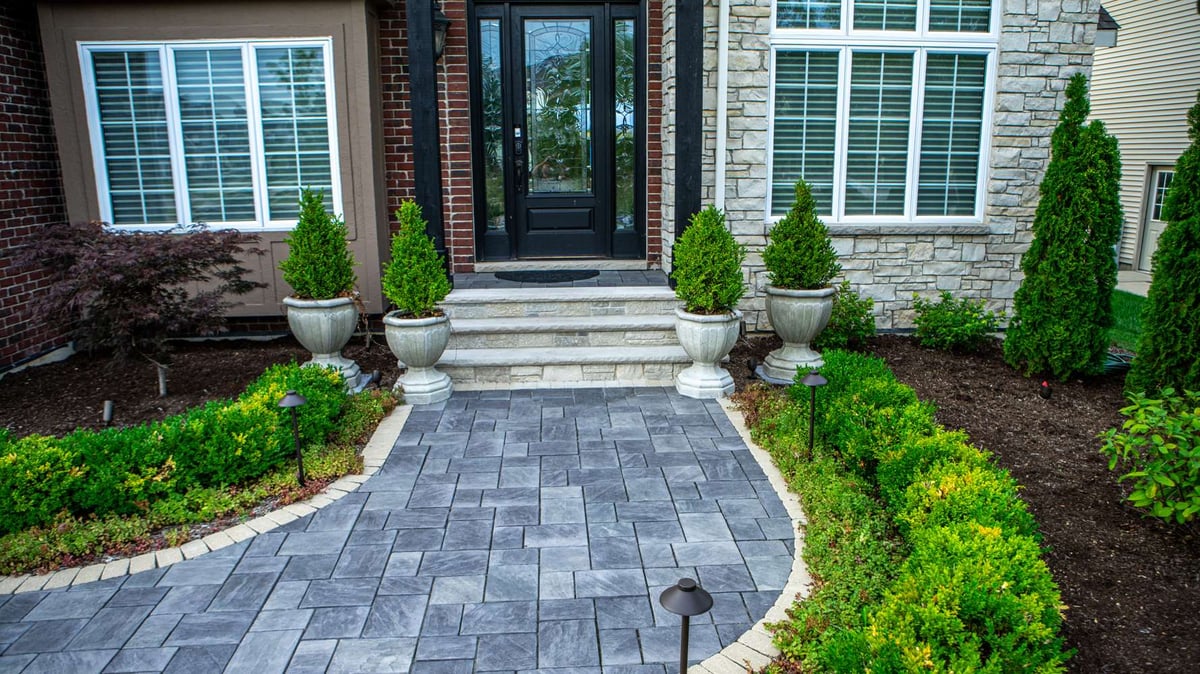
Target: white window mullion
(768, 209)
(845, 55)
(923, 17)
(917, 116)
(254, 122)
(174, 123)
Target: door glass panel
(625, 107)
(558, 104)
(493, 122)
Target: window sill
(912, 229)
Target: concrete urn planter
(418, 343)
(707, 340)
(798, 316)
(323, 327)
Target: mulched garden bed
(1131, 583)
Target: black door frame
(493, 245)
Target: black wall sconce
(441, 26)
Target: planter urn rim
(402, 319)
(798, 292)
(293, 301)
(735, 314)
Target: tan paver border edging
(754, 649)
(374, 454)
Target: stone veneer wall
(1042, 43)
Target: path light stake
(812, 380)
(293, 401)
(685, 599)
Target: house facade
(547, 133)
(1142, 88)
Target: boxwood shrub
(924, 556)
(123, 471)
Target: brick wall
(454, 110)
(1041, 44)
(30, 181)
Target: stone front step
(564, 366)
(618, 330)
(560, 302)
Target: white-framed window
(222, 132)
(883, 106)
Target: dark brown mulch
(1131, 583)
(58, 398)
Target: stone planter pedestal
(418, 343)
(798, 316)
(707, 340)
(324, 327)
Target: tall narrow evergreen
(1063, 309)
(1168, 351)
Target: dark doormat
(550, 276)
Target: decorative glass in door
(558, 101)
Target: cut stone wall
(1042, 43)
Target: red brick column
(31, 195)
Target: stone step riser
(622, 374)
(504, 340)
(559, 309)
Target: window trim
(920, 43)
(166, 50)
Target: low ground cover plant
(923, 556)
(90, 493)
(954, 324)
(1160, 443)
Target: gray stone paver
(508, 531)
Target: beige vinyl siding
(1142, 89)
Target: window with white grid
(226, 133)
(882, 106)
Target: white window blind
(882, 106)
(223, 133)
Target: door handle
(519, 159)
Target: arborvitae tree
(1063, 309)
(1168, 351)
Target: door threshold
(554, 265)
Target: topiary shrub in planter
(707, 270)
(322, 312)
(800, 263)
(417, 331)
(1168, 351)
(1063, 309)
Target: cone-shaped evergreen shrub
(707, 265)
(319, 265)
(1168, 351)
(1063, 309)
(799, 255)
(415, 278)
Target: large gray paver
(508, 531)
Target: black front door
(557, 130)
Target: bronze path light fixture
(441, 26)
(813, 380)
(685, 599)
(293, 401)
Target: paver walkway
(507, 531)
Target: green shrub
(921, 450)
(969, 598)
(1160, 442)
(319, 265)
(707, 265)
(965, 491)
(799, 254)
(1063, 309)
(1168, 352)
(415, 278)
(124, 471)
(954, 325)
(851, 323)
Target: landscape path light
(685, 599)
(293, 401)
(813, 380)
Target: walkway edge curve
(374, 453)
(754, 649)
